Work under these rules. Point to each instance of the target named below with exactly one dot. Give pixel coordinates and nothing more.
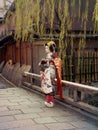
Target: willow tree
(27, 18)
(35, 16)
(95, 17)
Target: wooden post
(75, 96)
(31, 43)
(82, 96)
(31, 80)
(20, 52)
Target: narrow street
(24, 110)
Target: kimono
(48, 75)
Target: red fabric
(49, 98)
(59, 87)
(58, 64)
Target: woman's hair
(51, 45)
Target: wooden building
(31, 53)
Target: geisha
(49, 74)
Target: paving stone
(15, 124)
(7, 104)
(45, 120)
(31, 110)
(94, 128)
(26, 116)
(53, 112)
(60, 126)
(82, 124)
(37, 104)
(28, 106)
(3, 109)
(8, 97)
(19, 107)
(19, 100)
(35, 127)
(25, 103)
(4, 101)
(6, 119)
(14, 112)
(64, 110)
(69, 118)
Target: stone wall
(14, 72)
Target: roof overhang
(5, 6)
(9, 39)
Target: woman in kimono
(48, 74)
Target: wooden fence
(81, 67)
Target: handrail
(80, 86)
(68, 83)
(74, 99)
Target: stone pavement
(24, 110)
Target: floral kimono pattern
(48, 80)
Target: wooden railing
(73, 93)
